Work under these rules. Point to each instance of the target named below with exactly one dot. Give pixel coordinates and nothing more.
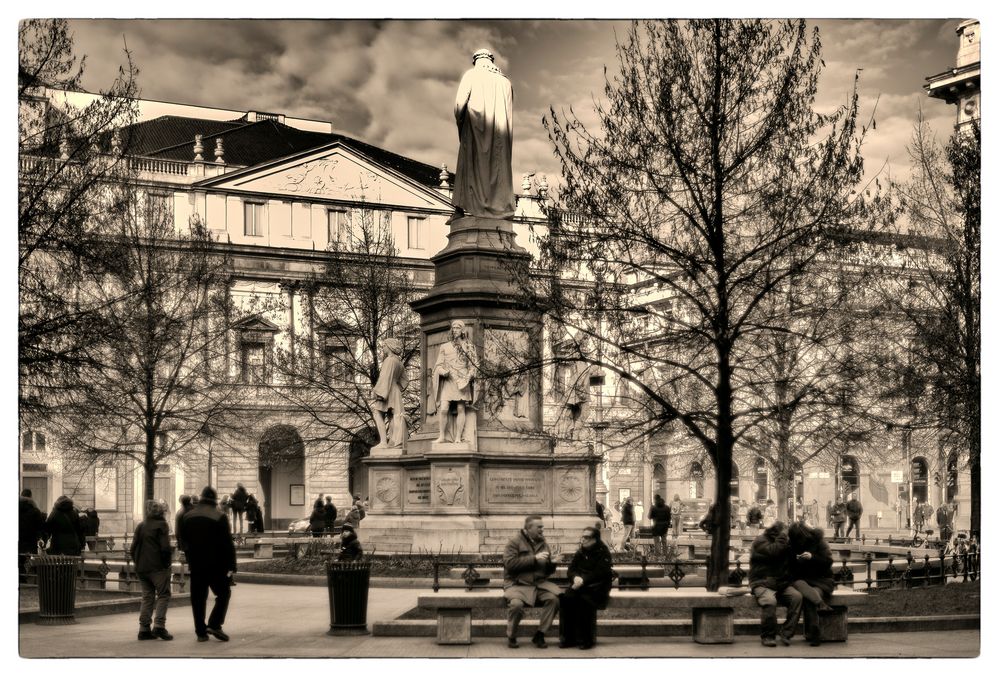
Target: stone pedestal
(714, 625)
(473, 496)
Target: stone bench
(263, 549)
(713, 613)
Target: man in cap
(211, 555)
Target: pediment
(256, 323)
(333, 172)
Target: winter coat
(238, 499)
(660, 516)
(30, 521)
(330, 514)
(854, 509)
(64, 529)
(839, 513)
(817, 571)
(770, 561)
(206, 534)
(943, 516)
(523, 574)
(94, 523)
(176, 526)
(151, 550)
(594, 566)
(627, 513)
(354, 517)
(755, 515)
(350, 548)
(317, 520)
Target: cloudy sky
(392, 83)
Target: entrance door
(281, 465)
(39, 491)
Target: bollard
(56, 588)
(347, 583)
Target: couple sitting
(791, 567)
(527, 564)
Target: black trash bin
(56, 588)
(348, 584)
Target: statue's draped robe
(483, 110)
(391, 382)
(456, 386)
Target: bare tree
(65, 162)
(937, 303)
(359, 298)
(154, 377)
(708, 189)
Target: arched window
(951, 488)
(849, 475)
(734, 483)
(920, 479)
(696, 480)
(762, 479)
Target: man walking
(770, 583)
(152, 555)
(628, 521)
(527, 564)
(853, 511)
(212, 559)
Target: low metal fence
(880, 573)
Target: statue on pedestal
(483, 111)
(453, 382)
(386, 397)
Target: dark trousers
(201, 581)
(812, 598)
(854, 524)
(155, 598)
(577, 620)
(769, 599)
(839, 529)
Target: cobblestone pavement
(291, 621)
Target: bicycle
(920, 537)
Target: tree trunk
(149, 467)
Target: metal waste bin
(348, 584)
(56, 588)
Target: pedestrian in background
(350, 545)
(64, 529)
(152, 554)
(186, 503)
(854, 510)
(254, 516)
(660, 516)
(211, 556)
(628, 521)
(30, 522)
(839, 517)
(317, 520)
(329, 513)
(769, 513)
(600, 513)
(676, 514)
(238, 504)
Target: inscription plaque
(418, 488)
(515, 486)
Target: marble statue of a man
(483, 110)
(453, 382)
(386, 397)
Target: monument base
(446, 535)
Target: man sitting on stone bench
(527, 564)
(770, 582)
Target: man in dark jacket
(660, 516)
(212, 559)
(186, 503)
(853, 511)
(770, 582)
(64, 529)
(238, 504)
(329, 513)
(838, 518)
(628, 521)
(152, 554)
(30, 521)
(527, 564)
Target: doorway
(281, 464)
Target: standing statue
(386, 397)
(453, 382)
(483, 110)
